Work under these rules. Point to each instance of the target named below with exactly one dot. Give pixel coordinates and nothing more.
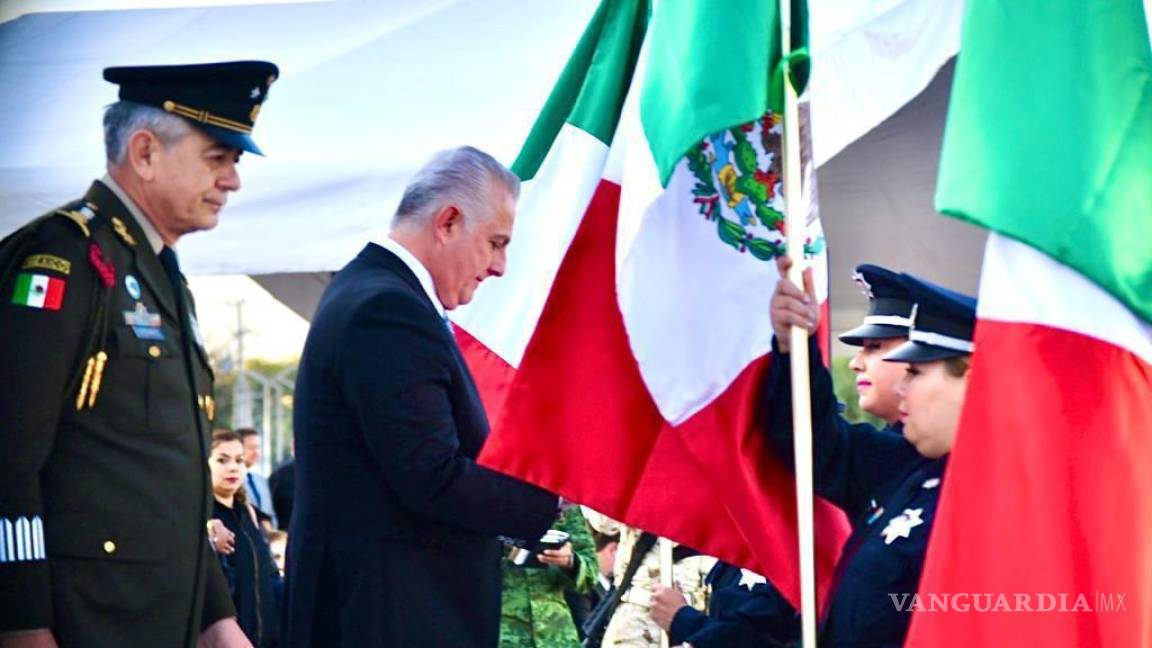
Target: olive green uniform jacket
(105, 406)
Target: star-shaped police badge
(750, 579)
(901, 526)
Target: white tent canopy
(370, 88)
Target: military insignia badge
(145, 325)
(78, 218)
(21, 539)
(739, 181)
(132, 286)
(47, 262)
(122, 231)
(863, 284)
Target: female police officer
(884, 480)
(936, 375)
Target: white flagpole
(795, 222)
(666, 578)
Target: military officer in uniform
(107, 390)
(887, 480)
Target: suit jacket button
(109, 547)
(154, 351)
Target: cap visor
(242, 141)
(858, 335)
(920, 352)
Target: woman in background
(246, 561)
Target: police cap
(889, 307)
(943, 322)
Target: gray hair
(463, 175)
(123, 118)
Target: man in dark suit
(282, 483)
(394, 533)
(105, 388)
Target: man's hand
(791, 306)
(221, 539)
(562, 557)
(225, 633)
(666, 602)
(41, 638)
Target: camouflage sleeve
(583, 550)
(601, 523)
(45, 301)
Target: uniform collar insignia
(122, 231)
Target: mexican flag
(1046, 512)
(38, 291)
(620, 358)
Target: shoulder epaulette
(79, 212)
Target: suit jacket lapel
(375, 254)
(147, 263)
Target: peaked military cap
(889, 307)
(943, 322)
(221, 99)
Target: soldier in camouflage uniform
(534, 613)
(632, 625)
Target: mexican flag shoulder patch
(38, 291)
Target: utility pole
(241, 390)
(286, 384)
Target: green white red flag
(38, 291)
(620, 357)
(1044, 534)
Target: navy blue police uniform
(106, 405)
(744, 611)
(888, 490)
